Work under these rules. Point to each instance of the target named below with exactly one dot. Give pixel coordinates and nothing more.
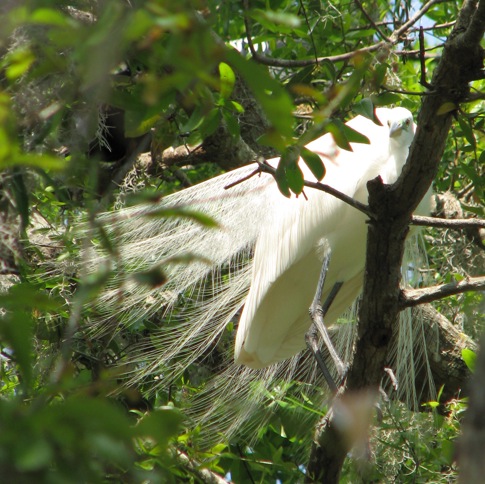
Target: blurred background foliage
(103, 99)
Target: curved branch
(413, 297)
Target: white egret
(289, 253)
(266, 258)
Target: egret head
(401, 126)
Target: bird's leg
(311, 338)
(317, 313)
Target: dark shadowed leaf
(314, 162)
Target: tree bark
(392, 206)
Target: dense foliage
(85, 87)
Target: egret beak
(396, 128)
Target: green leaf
(195, 120)
(446, 108)
(282, 181)
(305, 75)
(289, 170)
(227, 80)
(347, 91)
(335, 127)
(21, 196)
(480, 211)
(34, 455)
(365, 108)
(161, 425)
(134, 126)
(295, 178)
(44, 162)
(48, 16)
(27, 296)
(351, 134)
(314, 162)
(18, 62)
(16, 331)
(276, 21)
(467, 130)
(210, 123)
(152, 278)
(379, 74)
(470, 358)
(232, 123)
(92, 416)
(329, 68)
(237, 107)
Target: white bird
(289, 252)
(266, 257)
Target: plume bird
(264, 260)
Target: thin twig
(302, 6)
(422, 61)
(407, 93)
(267, 168)
(257, 171)
(369, 18)
(420, 13)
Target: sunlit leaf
(470, 358)
(446, 108)
(49, 16)
(227, 80)
(45, 162)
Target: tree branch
(395, 37)
(444, 223)
(267, 168)
(413, 297)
